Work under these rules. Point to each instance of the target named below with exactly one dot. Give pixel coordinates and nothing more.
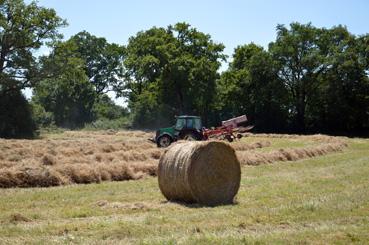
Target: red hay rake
(229, 130)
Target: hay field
(82, 157)
(315, 200)
(77, 157)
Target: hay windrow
(257, 158)
(91, 157)
(77, 158)
(240, 146)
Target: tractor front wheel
(164, 141)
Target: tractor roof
(187, 116)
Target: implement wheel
(229, 138)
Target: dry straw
(77, 157)
(208, 173)
(92, 157)
(293, 154)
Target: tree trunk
(180, 99)
(301, 108)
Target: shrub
(42, 117)
(16, 116)
(104, 107)
(104, 124)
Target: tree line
(308, 80)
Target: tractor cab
(186, 127)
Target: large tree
(69, 95)
(24, 28)
(310, 79)
(103, 61)
(251, 86)
(341, 103)
(300, 63)
(177, 65)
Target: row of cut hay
(293, 154)
(279, 136)
(77, 157)
(107, 133)
(46, 176)
(314, 137)
(240, 146)
(84, 151)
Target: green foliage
(324, 71)
(104, 107)
(300, 63)
(346, 81)
(81, 70)
(15, 116)
(69, 96)
(42, 117)
(310, 79)
(251, 86)
(149, 112)
(23, 29)
(103, 61)
(178, 65)
(105, 124)
(293, 86)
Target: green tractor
(186, 127)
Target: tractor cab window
(189, 123)
(181, 122)
(197, 123)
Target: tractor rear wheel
(164, 141)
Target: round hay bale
(208, 173)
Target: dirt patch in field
(17, 218)
(129, 206)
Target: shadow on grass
(198, 205)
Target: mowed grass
(320, 200)
(278, 143)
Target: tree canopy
(103, 61)
(251, 86)
(69, 95)
(24, 29)
(178, 66)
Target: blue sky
(231, 22)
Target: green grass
(322, 200)
(278, 143)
